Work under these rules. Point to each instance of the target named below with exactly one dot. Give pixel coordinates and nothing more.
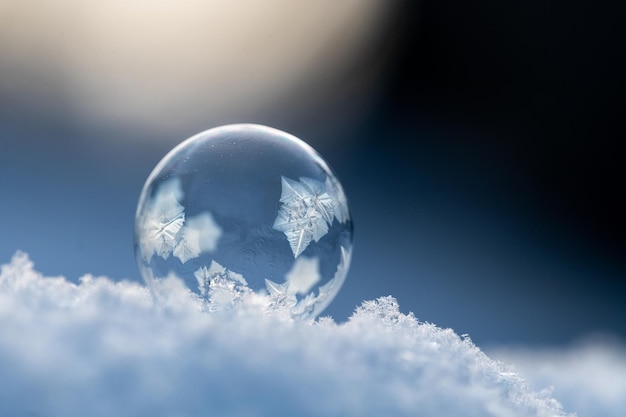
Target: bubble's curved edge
(228, 128)
(325, 292)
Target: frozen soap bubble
(246, 212)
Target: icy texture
(165, 231)
(589, 376)
(305, 214)
(163, 221)
(102, 348)
(259, 203)
(221, 287)
(338, 199)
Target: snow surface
(589, 376)
(104, 348)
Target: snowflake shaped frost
(222, 287)
(163, 221)
(300, 280)
(305, 213)
(187, 244)
(338, 197)
(198, 234)
(167, 232)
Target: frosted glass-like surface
(246, 211)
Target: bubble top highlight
(244, 213)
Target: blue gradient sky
(483, 170)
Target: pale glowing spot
(304, 274)
(209, 232)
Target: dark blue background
(486, 180)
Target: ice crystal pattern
(245, 203)
(305, 274)
(338, 198)
(221, 287)
(307, 210)
(167, 233)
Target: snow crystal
(305, 213)
(166, 232)
(300, 279)
(187, 245)
(338, 197)
(588, 376)
(163, 221)
(222, 288)
(102, 348)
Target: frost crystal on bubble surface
(299, 280)
(163, 221)
(200, 233)
(281, 297)
(188, 245)
(221, 286)
(249, 199)
(166, 231)
(305, 213)
(338, 198)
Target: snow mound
(588, 376)
(103, 348)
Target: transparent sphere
(246, 212)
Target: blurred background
(478, 142)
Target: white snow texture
(104, 348)
(589, 376)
